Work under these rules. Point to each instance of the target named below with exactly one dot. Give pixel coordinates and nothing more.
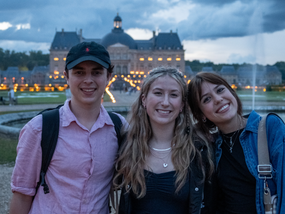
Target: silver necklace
(164, 163)
(231, 143)
(160, 150)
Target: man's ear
(65, 76)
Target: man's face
(87, 82)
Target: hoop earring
(204, 120)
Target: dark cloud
(209, 19)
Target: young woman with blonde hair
(163, 164)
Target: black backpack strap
(118, 125)
(50, 129)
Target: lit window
(50, 76)
(150, 59)
(64, 59)
(141, 72)
(56, 72)
(137, 72)
(122, 75)
(55, 58)
(144, 76)
(178, 59)
(159, 59)
(134, 76)
(132, 72)
(141, 59)
(139, 76)
(62, 76)
(129, 76)
(139, 81)
(169, 59)
(135, 81)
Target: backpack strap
(118, 125)
(50, 129)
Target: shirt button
(196, 189)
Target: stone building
(129, 56)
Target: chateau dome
(118, 36)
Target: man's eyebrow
(207, 93)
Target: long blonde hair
(133, 154)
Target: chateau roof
(65, 40)
(228, 70)
(167, 41)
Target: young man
(80, 173)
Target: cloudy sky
(221, 31)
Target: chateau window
(150, 59)
(178, 59)
(160, 59)
(55, 59)
(169, 59)
(141, 59)
(64, 59)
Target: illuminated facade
(129, 56)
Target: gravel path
(5, 189)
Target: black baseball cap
(87, 51)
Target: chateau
(129, 56)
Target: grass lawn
(246, 95)
(28, 98)
(7, 150)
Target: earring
(204, 120)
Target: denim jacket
(275, 130)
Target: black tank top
(236, 185)
(160, 195)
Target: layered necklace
(232, 141)
(165, 158)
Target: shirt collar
(68, 117)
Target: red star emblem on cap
(87, 49)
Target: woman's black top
(236, 185)
(160, 195)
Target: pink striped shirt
(80, 173)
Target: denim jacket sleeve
(275, 130)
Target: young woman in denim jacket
(215, 104)
(163, 163)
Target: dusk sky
(221, 31)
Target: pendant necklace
(164, 164)
(231, 143)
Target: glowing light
(56, 72)
(62, 76)
(169, 59)
(141, 72)
(129, 76)
(159, 59)
(141, 59)
(188, 81)
(178, 59)
(55, 59)
(184, 76)
(137, 72)
(50, 76)
(144, 76)
(132, 72)
(134, 76)
(150, 59)
(64, 59)
(139, 76)
(122, 76)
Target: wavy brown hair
(132, 156)
(194, 98)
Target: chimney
(80, 35)
(153, 39)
